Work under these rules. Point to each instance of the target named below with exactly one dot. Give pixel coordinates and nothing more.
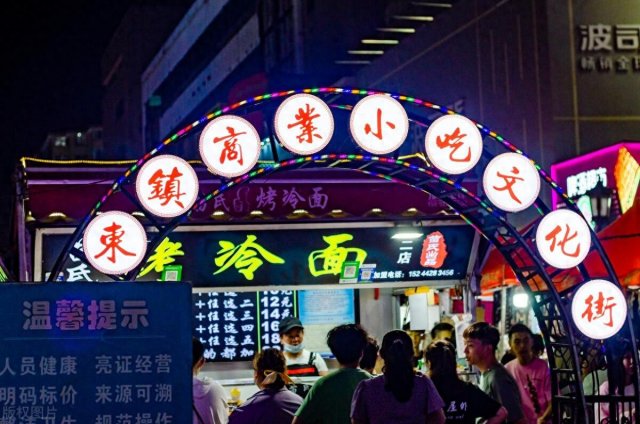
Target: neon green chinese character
(243, 256)
(163, 255)
(334, 255)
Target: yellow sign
(333, 256)
(244, 257)
(627, 176)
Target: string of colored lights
(326, 90)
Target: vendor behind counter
(300, 361)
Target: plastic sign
(563, 239)
(453, 144)
(114, 243)
(511, 182)
(599, 309)
(304, 124)
(379, 124)
(229, 146)
(167, 186)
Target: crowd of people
(380, 383)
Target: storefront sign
(232, 256)
(579, 175)
(585, 181)
(89, 353)
(599, 309)
(606, 48)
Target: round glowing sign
(229, 146)
(379, 124)
(304, 124)
(599, 309)
(114, 243)
(563, 239)
(511, 182)
(167, 186)
(453, 144)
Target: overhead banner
(95, 353)
(305, 254)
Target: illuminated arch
(551, 306)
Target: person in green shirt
(329, 400)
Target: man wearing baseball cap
(300, 361)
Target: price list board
(275, 305)
(233, 326)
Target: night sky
(49, 77)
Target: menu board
(233, 326)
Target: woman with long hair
(400, 394)
(274, 403)
(441, 360)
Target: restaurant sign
(234, 256)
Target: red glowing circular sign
(379, 124)
(453, 144)
(229, 146)
(304, 124)
(114, 243)
(167, 186)
(599, 309)
(563, 239)
(511, 182)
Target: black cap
(288, 323)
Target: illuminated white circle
(291, 118)
(563, 239)
(511, 182)
(229, 146)
(379, 124)
(453, 144)
(594, 320)
(114, 243)
(167, 186)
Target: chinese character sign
(233, 326)
(379, 124)
(95, 353)
(434, 250)
(304, 124)
(511, 182)
(599, 309)
(114, 242)
(453, 144)
(563, 239)
(229, 146)
(167, 186)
